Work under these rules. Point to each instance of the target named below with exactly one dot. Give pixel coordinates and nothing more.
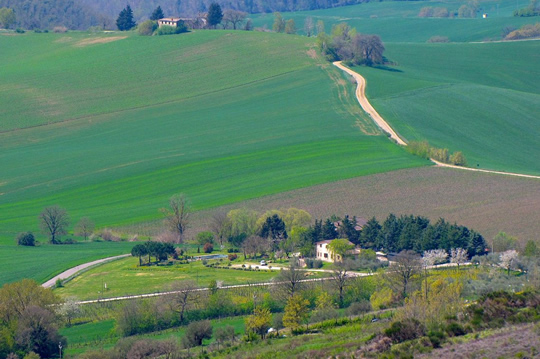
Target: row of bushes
(492, 310)
(149, 28)
(425, 150)
(312, 263)
(526, 32)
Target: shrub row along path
(73, 271)
(366, 106)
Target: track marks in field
(363, 123)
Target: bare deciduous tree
(255, 244)
(340, 277)
(234, 17)
(220, 225)
(177, 215)
(185, 296)
(289, 280)
(54, 222)
(405, 266)
(85, 227)
(320, 27)
(308, 26)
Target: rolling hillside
(482, 99)
(111, 129)
(398, 21)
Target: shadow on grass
(387, 68)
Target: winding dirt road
(362, 99)
(366, 106)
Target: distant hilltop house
(324, 254)
(169, 21)
(191, 22)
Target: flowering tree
(434, 256)
(430, 258)
(458, 256)
(508, 259)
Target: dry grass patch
(98, 40)
(512, 342)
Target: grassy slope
(482, 99)
(280, 125)
(88, 336)
(397, 21)
(42, 263)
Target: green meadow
(111, 130)
(102, 334)
(398, 21)
(125, 277)
(44, 262)
(482, 99)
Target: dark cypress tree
(215, 15)
(125, 20)
(390, 233)
(370, 234)
(329, 230)
(157, 14)
(477, 245)
(314, 233)
(274, 228)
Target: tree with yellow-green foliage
(290, 27)
(339, 248)
(279, 23)
(381, 299)
(259, 321)
(7, 17)
(296, 312)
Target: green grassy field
(90, 336)
(217, 115)
(44, 262)
(482, 99)
(124, 277)
(398, 21)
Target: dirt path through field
(440, 164)
(362, 99)
(72, 271)
(364, 102)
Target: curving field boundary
(366, 106)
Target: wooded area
(81, 15)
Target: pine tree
(125, 20)
(157, 14)
(215, 15)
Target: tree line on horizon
(85, 14)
